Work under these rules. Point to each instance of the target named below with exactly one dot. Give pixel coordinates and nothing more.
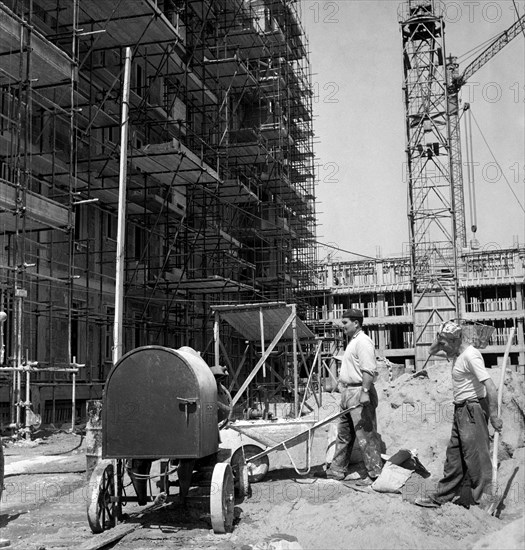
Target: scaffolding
(220, 178)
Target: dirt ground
(44, 501)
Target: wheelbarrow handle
(291, 440)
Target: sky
(355, 54)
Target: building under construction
(220, 201)
(491, 293)
(405, 299)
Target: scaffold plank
(49, 64)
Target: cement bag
(391, 479)
(397, 470)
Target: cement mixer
(161, 404)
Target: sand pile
(415, 412)
(325, 515)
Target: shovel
(493, 507)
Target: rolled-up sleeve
(367, 356)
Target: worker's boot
(335, 474)
(364, 481)
(426, 502)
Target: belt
(351, 385)
(467, 401)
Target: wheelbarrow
(278, 435)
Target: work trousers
(468, 454)
(361, 424)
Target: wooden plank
(109, 537)
(120, 531)
(40, 210)
(51, 65)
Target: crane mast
(430, 171)
(436, 203)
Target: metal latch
(187, 401)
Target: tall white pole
(217, 339)
(121, 229)
(3, 318)
(261, 324)
(295, 363)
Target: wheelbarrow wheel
(102, 510)
(257, 469)
(242, 481)
(222, 500)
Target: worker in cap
(447, 340)
(475, 402)
(450, 329)
(356, 383)
(224, 399)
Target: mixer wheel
(222, 499)
(102, 509)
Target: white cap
(450, 329)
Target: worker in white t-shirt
(359, 397)
(475, 402)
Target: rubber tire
(242, 456)
(242, 482)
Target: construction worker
(475, 401)
(356, 383)
(224, 399)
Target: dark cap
(219, 370)
(353, 314)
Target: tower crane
(436, 210)
(456, 81)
